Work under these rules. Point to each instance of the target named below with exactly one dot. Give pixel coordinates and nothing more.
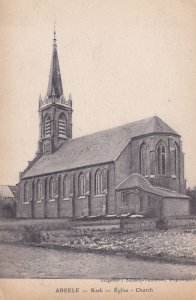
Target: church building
(135, 167)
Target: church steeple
(55, 111)
(55, 87)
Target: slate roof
(138, 181)
(100, 147)
(55, 87)
(5, 192)
(13, 189)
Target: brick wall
(139, 202)
(123, 165)
(176, 207)
(73, 205)
(66, 208)
(169, 179)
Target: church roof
(138, 181)
(100, 147)
(55, 87)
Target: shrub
(162, 223)
(32, 234)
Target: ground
(65, 249)
(32, 262)
(177, 245)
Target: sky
(121, 60)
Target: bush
(32, 234)
(162, 224)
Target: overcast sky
(121, 60)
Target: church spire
(55, 87)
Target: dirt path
(30, 262)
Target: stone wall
(184, 222)
(137, 224)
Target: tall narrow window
(39, 191)
(81, 185)
(52, 189)
(66, 187)
(144, 159)
(176, 159)
(142, 206)
(98, 183)
(161, 158)
(62, 125)
(26, 192)
(47, 126)
(124, 199)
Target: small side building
(7, 201)
(137, 194)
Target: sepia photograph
(98, 118)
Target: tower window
(144, 159)
(81, 185)
(62, 125)
(47, 126)
(161, 158)
(98, 183)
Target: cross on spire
(54, 39)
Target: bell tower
(55, 111)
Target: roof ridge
(166, 189)
(111, 128)
(136, 174)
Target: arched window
(161, 158)
(52, 189)
(149, 201)
(144, 160)
(81, 185)
(98, 183)
(47, 126)
(176, 159)
(66, 187)
(62, 125)
(142, 204)
(39, 190)
(26, 192)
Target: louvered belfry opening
(62, 125)
(47, 126)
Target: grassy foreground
(173, 245)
